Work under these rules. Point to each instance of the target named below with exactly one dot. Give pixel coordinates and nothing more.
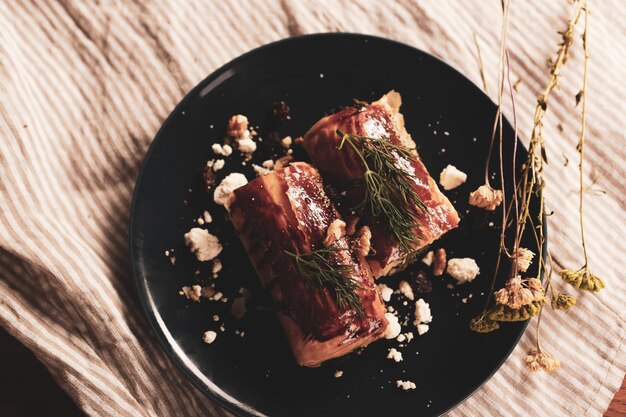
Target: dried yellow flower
(486, 197)
(483, 324)
(524, 259)
(538, 360)
(502, 312)
(563, 301)
(582, 279)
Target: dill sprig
(389, 187)
(320, 271)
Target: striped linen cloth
(84, 86)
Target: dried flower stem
(581, 145)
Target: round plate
(450, 119)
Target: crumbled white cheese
(393, 329)
(219, 164)
(429, 258)
(338, 374)
(269, 164)
(451, 177)
(216, 317)
(422, 328)
(192, 293)
(401, 338)
(238, 309)
(409, 336)
(227, 186)
(203, 244)
(394, 355)
(385, 292)
(245, 144)
(206, 216)
(463, 269)
(405, 385)
(209, 336)
(200, 221)
(406, 290)
(224, 150)
(422, 312)
(216, 267)
(260, 171)
(287, 141)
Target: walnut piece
(237, 126)
(362, 240)
(439, 265)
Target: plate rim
(237, 407)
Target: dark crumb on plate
(420, 283)
(208, 178)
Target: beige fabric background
(84, 86)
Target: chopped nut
(421, 283)
(439, 265)
(237, 126)
(283, 162)
(335, 231)
(192, 293)
(486, 197)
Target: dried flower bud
(582, 279)
(502, 312)
(336, 230)
(486, 197)
(439, 266)
(483, 324)
(524, 258)
(563, 301)
(538, 360)
(536, 287)
(237, 126)
(518, 293)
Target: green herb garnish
(319, 272)
(389, 187)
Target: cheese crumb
(394, 355)
(269, 164)
(216, 267)
(385, 292)
(451, 177)
(409, 336)
(209, 337)
(206, 216)
(192, 293)
(287, 141)
(260, 171)
(216, 317)
(423, 316)
(429, 258)
(245, 144)
(219, 164)
(202, 244)
(401, 338)
(225, 150)
(463, 269)
(338, 374)
(393, 329)
(406, 290)
(405, 385)
(422, 328)
(227, 186)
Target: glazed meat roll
(341, 144)
(322, 287)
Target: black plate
(451, 120)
